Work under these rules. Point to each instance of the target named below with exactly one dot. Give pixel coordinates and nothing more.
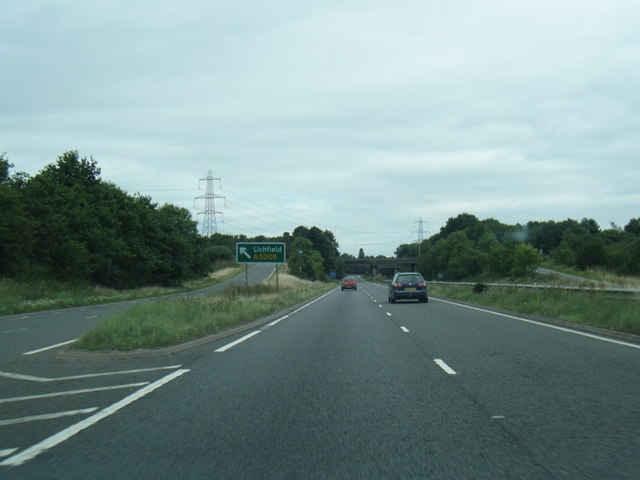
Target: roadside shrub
(479, 288)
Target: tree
(633, 226)
(407, 250)
(325, 244)
(525, 260)
(590, 254)
(361, 255)
(590, 226)
(304, 261)
(464, 222)
(17, 230)
(5, 166)
(454, 257)
(90, 230)
(500, 259)
(217, 253)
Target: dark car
(408, 286)
(349, 282)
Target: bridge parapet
(374, 264)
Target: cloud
(329, 113)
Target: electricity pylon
(420, 233)
(209, 225)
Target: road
(347, 387)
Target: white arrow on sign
(243, 251)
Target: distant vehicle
(349, 282)
(408, 286)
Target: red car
(349, 282)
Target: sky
(362, 117)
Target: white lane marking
(444, 366)
(72, 392)
(275, 322)
(16, 330)
(547, 325)
(31, 378)
(68, 432)
(7, 451)
(246, 337)
(388, 314)
(405, 329)
(47, 416)
(240, 340)
(51, 347)
(314, 301)
(92, 316)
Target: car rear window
(409, 279)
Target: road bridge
(373, 265)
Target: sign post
(260, 252)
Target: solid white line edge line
(68, 432)
(236, 342)
(542, 324)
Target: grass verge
(22, 296)
(595, 309)
(591, 276)
(169, 322)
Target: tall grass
(589, 308)
(175, 321)
(18, 296)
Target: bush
(480, 288)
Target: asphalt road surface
(348, 386)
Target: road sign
(260, 252)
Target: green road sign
(261, 252)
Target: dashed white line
(233, 344)
(47, 416)
(15, 330)
(404, 329)
(68, 432)
(275, 322)
(389, 315)
(50, 347)
(444, 366)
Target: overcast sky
(356, 116)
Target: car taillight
(397, 285)
(422, 284)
